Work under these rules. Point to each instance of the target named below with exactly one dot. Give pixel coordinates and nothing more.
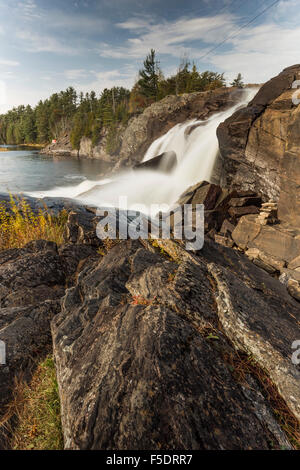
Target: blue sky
(46, 46)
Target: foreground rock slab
(141, 358)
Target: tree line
(87, 115)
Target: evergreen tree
(149, 77)
(238, 81)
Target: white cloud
(169, 37)
(108, 79)
(260, 52)
(36, 42)
(56, 19)
(9, 63)
(29, 9)
(56, 30)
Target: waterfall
(196, 146)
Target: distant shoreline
(8, 146)
(33, 145)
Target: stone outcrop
(222, 208)
(241, 221)
(63, 148)
(260, 146)
(143, 357)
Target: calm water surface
(25, 170)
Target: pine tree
(238, 81)
(149, 77)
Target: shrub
(20, 225)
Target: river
(23, 169)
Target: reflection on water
(23, 169)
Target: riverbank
(8, 147)
(38, 146)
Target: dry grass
(20, 225)
(37, 408)
(242, 365)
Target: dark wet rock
(237, 212)
(245, 201)
(201, 193)
(81, 227)
(165, 162)
(30, 275)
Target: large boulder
(273, 240)
(143, 362)
(165, 162)
(260, 145)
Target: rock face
(142, 361)
(63, 148)
(260, 145)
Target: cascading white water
(196, 146)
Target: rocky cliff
(260, 146)
(63, 148)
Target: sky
(46, 46)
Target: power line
(220, 11)
(238, 31)
(208, 13)
(225, 7)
